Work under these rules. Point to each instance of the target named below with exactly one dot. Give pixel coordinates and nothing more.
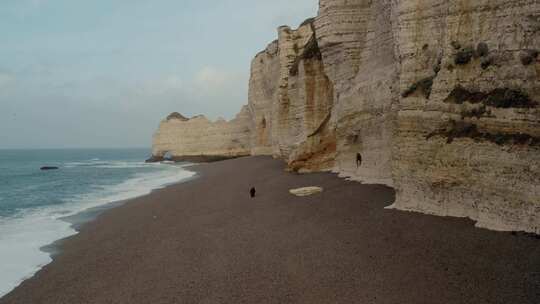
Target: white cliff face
(358, 44)
(439, 98)
(467, 136)
(292, 93)
(263, 90)
(200, 139)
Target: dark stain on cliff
(462, 129)
(456, 45)
(486, 62)
(464, 56)
(528, 56)
(311, 51)
(459, 95)
(424, 85)
(482, 50)
(476, 112)
(322, 125)
(437, 67)
(498, 98)
(509, 98)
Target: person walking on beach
(252, 192)
(358, 160)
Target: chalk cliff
(291, 99)
(199, 139)
(468, 124)
(439, 98)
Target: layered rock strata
(438, 99)
(468, 119)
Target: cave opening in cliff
(167, 155)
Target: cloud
(295, 13)
(36, 4)
(96, 59)
(212, 78)
(211, 81)
(173, 82)
(163, 85)
(208, 81)
(6, 79)
(24, 8)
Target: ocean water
(35, 205)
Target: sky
(104, 73)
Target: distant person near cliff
(358, 160)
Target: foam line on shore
(25, 238)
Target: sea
(38, 208)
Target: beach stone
(306, 191)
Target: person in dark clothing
(358, 159)
(252, 192)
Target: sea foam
(23, 236)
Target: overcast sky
(103, 73)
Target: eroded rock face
(263, 90)
(291, 100)
(469, 147)
(439, 99)
(358, 42)
(199, 139)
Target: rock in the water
(155, 159)
(306, 191)
(48, 168)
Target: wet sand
(207, 241)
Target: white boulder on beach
(306, 191)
